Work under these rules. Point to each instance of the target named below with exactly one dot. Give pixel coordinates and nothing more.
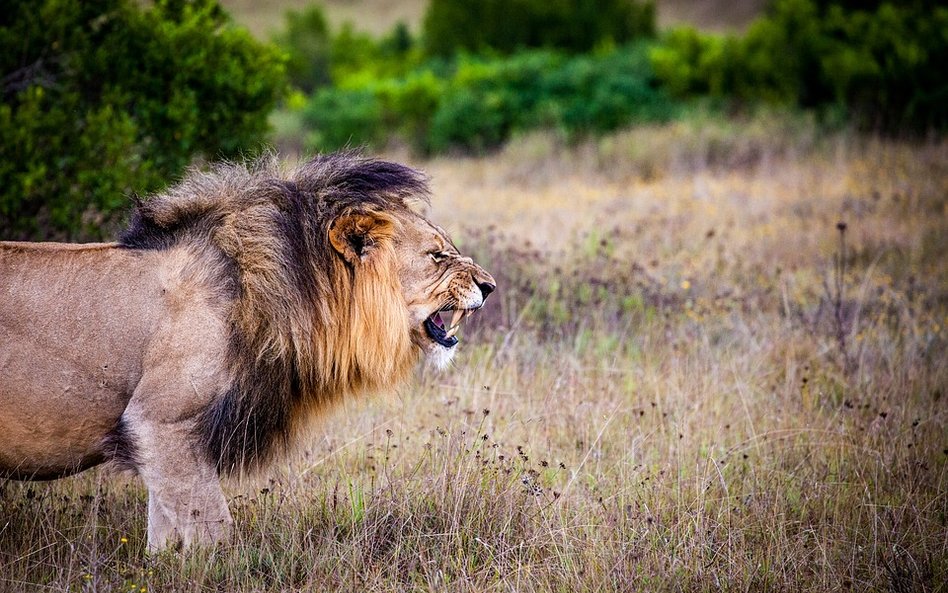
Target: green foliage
(883, 62)
(307, 43)
(318, 57)
(877, 64)
(360, 56)
(510, 25)
(104, 99)
(690, 63)
(488, 101)
(342, 118)
(889, 65)
(409, 103)
(480, 102)
(399, 41)
(597, 94)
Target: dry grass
(714, 15)
(668, 393)
(372, 16)
(379, 16)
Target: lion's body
(237, 307)
(59, 425)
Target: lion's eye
(438, 256)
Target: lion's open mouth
(442, 332)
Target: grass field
(689, 380)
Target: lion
(236, 308)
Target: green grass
(660, 397)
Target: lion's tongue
(438, 321)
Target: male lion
(236, 307)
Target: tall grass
(655, 400)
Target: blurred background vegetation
(111, 98)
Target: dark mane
(266, 231)
(194, 206)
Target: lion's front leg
(182, 375)
(185, 509)
(186, 504)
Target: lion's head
(439, 286)
(333, 280)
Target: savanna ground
(690, 379)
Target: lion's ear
(357, 235)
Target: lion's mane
(307, 328)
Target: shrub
(358, 58)
(470, 119)
(598, 94)
(340, 118)
(398, 42)
(369, 112)
(104, 99)
(409, 104)
(691, 63)
(509, 25)
(480, 102)
(307, 43)
(889, 65)
(882, 62)
(487, 101)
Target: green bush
(340, 118)
(889, 65)
(308, 45)
(882, 62)
(358, 58)
(691, 63)
(598, 94)
(472, 119)
(104, 99)
(487, 101)
(368, 112)
(478, 103)
(409, 103)
(318, 57)
(510, 25)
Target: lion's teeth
(458, 315)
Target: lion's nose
(486, 288)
